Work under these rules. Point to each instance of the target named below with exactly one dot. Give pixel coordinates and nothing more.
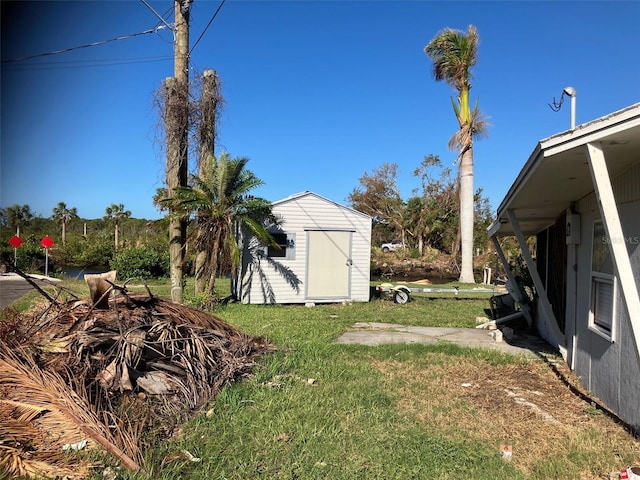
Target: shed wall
(300, 215)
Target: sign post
(47, 243)
(15, 242)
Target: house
(579, 195)
(323, 255)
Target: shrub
(30, 256)
(99, 252)
(140, 262)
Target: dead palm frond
(106, 376)
(44, 399)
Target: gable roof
(298, 196)
(557, 172)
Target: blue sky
(317, 93)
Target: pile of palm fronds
(74, 375)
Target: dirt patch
(524, 405)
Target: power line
(157, 15)
(86, 63)
(208, 24)
(94, 44)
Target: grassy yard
(314, 409)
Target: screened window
(603, 285)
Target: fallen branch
(32, 283)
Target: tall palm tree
(17, 216)
(219, 201)
(115, 213)
(63, 216)
(453, 54)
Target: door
(328, 264)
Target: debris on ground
(100, 373)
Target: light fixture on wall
(290, 243)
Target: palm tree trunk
(214, 262)
(116, 236)
(200, 271)
(466, 216)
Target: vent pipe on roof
(572, 93)
(555, 106)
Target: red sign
(15, 241)
(46, 242)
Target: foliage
(482, 220)
(432, 214)
(16, 216)
(63, 215)
(30, 256)
(429, 218)
(220, 204)
(379, 196)
(140, 262)
(115, 213)
(89, 242)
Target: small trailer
(401, 293)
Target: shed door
(328, 264)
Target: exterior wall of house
(610, 368)
(284, 279)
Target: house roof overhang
(557, 172)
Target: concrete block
(507, 332)
(496, 335)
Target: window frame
(289, 247)
(598, 281)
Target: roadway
(13, 286)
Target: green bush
(100, 252)
(140, 262)
(30, 256)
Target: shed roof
(297, 196)
(557, 171)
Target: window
(285, 246)
(603, 285)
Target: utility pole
(177, 133)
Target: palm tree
(64, 215)
(220, 203)
(17, 216)
(453, 54)
(115, 213)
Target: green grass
(315, 409)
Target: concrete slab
(373, 334)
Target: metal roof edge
(599, 124)
(306, 193)
(527, 168)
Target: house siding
(611, 370)
(301, 214)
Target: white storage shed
(324, 255)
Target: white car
(391, 246)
